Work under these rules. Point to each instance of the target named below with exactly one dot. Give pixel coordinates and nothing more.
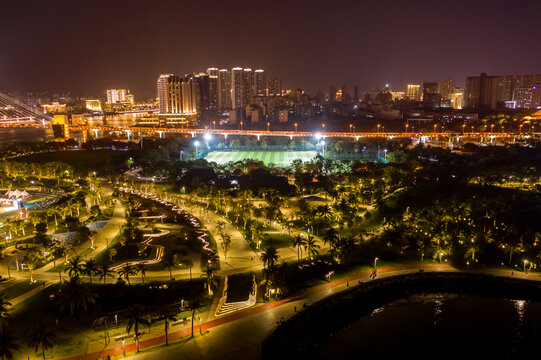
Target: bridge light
(207, 137)
(318, 136)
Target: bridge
(14, 112)
(195, 132)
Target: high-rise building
(213, 88)
(169, 94)
(203, 84)
(236, 87)
(431, 97)
(505, 88)
(446, 87)
(456, 98)
(177, 95)
(482, 91)
(224, 89)
(332, 93)
(191, 98)
(414, 92)
(248, 86)
(275, 87)
(115, 96)
(356, 94)
(260, 82)
(527, 91)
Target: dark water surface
(24, 134)
(449, 327)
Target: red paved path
(145, 344)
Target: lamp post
(378, 127)
(214, 123)
(241, 125)
(491, 127)
(440, 254)
(124, 347)
(520, 129)
(323, 146)
(296, 127)
(375, 262)
(422, 257)
(196, 143)
(268, 126)
(407, 128)
(463, 128)
(350, 126)
(524, 269)
(323, 127)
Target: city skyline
(321, 47)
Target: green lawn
(20, 288)
(278, 158)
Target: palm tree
(75, 267)
(269, 257)
(90, 268)
(7, 346)
(137, 315)
(128, 270)
(168, 315)
(41, 337)
(75, 295)
(330, 236)
(194, 305)
(311, 246)
(211, 280)
(298, 241)
(142, 269)
(104, 270)
(169, 262)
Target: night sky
(89, 46)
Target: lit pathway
(239, 335)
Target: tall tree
(299, 242)
(128, 270)
(8, 346)
(41, 337)
(105, 271)
(168, 314)
(75, 267)
(137, 315)
(269, 256)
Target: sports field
(278, 158)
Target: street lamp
(323, 127)
(323, 145)
(463, 128)
(520, 129)
(525, 261)
(472, 129)
(441, 254)
(435, 126)
(375, 262)
(241, 125)
(214, 123)
(491, 127)
(350, 126)
(296, 127)
(124, 347)
(422, 257)
(196, 143)
(407, 128)
(268, 126)
(378, 127)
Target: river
(449, 327)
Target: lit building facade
(260, 82)
(414, 92)
(236, 87)
(224, 89)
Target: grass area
(278, 158)
(275, 240)
(20, 288)
(81, 160)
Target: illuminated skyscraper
(224, 89)
(248, 86)
(275, 87)
(169, 94)
(178, 95)
(414, 92)
(482, 91)
(260, 82)
(213, 88)
(236, 88)
(115, 96)
(446, 87)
